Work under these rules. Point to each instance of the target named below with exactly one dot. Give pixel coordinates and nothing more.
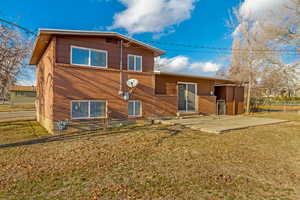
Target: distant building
(22, 95)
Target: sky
(191, 22)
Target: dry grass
(152, 162)
(274, 107)
(11, 108)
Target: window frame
(89, 59)
(134, 64)
(89, 111)
(141, 108)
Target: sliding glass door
(187, 97)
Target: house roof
(23, 88)
(192, 76)
(45, 35)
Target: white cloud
(175, 64)
(182, 64)
(263, 8)
(28, 82)
(263, 12)
(206, 67)
(155, 16)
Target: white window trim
(141, 109)
(89, 107)
(89, 61)
(134, 64)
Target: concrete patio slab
(221, 124)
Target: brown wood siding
(84, 83)
(113, 48)
(44, 79)
(167, 85)
(207, 105)
(240, 100)
(165, 105)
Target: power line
(215, 48)
(18, 26)
(223, 50)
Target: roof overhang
(22, 88)
(192, 76)
(227, 85)
(45, 35)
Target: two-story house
(82, 75)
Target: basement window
(134, 63)
(88, 57)
(88, 109)
(134, 108)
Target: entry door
(187, 97)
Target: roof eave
(50, 32)
(192, 76)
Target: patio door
(187, 97)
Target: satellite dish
(132, 83)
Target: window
(25, 94)
(134, 108)
(88, 109)
(88, 57)
(30, 94)
(134, 63)
(20, 93)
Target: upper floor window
(88, 57)
(134, 63)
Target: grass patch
(19, 131)
(292, 116)
(12, 108)
(276, 107)
(153, 162)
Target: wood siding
(44, 74)
(84, 83)
(111, 45)
(167, 85)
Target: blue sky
(196, 22)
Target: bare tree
(14, 48)
(285, 27)
(280, 77)
(250, 54)
(285, 34)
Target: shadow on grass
(87, 134)
(172, 132)
(70, 136)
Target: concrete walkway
(221, 124)
(15, 116)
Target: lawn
(151, 162)
(275, 107)
(11, 108)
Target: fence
(274, 105)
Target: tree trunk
(248, 97)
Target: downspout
(121, 68)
